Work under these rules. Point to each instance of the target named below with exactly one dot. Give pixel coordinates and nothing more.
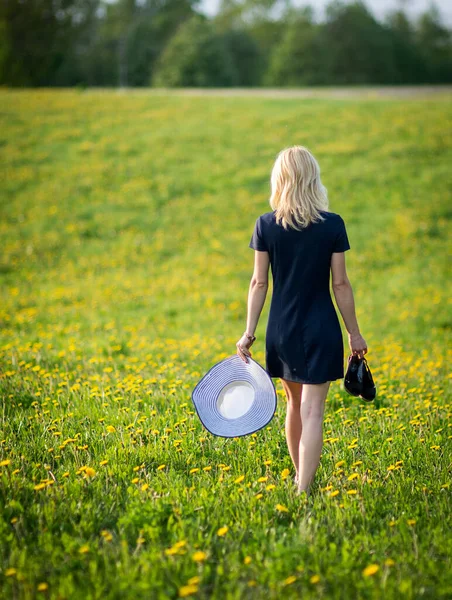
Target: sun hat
(235, 398)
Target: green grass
(125, 221)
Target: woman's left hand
(243, 346)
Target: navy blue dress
(303, 339)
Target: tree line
(170, 43)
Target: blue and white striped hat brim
(235, 398)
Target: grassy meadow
(124, 270)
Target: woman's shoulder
(331, 215)
(268, 216)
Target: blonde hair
(297, 195)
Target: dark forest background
(170, 43)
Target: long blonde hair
(298, 194)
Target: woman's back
(301, 260)
(303, 339)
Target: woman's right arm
(343, 293)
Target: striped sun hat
(235, 398)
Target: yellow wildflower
(187, 590)
(370, 570)
(199, 556)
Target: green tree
(262, 20)
(360, 49)
(300, 57)
(435, 46)
(409, 63)
(245, 55)
(38, 37)
(196, 56)
(144, 29)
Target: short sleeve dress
(303, 338)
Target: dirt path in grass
(406, 92)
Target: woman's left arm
(256, 300)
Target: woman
(302, 242)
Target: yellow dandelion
(262, 479)
(281, 508)
(160, 467)
(334, 493)
(187, 590)
(195, 470)
(392, 523)
(10, 572)
(199, 556)
(103, 462)
(411, 521)
(352, 476)
(352, 492)
(223, 531)
(39, 486)
(107, 536)
(315, 579)
(144, 487)
(289, 580)
(42, 587)
(258, 496)
(285, 473)
(247, 560)
(90, 472)
(84, 549)
(270, 487)
(5, 462)
(370, 570)
(111, 429)
(240, 479)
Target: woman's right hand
(357, 344)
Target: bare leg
(293, 420)
(311, 442)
